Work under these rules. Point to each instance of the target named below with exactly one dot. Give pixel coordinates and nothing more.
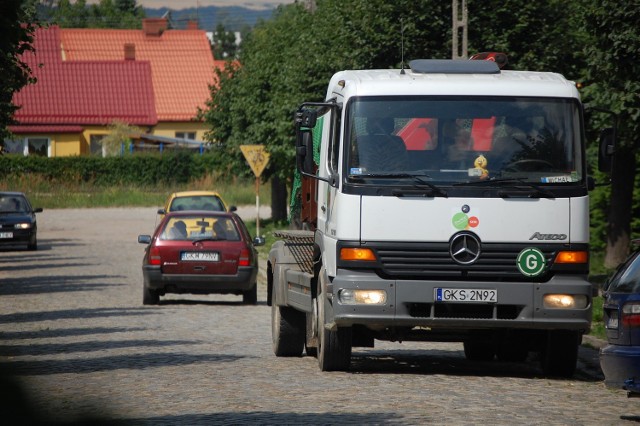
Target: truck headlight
(565, 301)
(362, 297)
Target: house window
(28, 146)
(37, 146)
(186, 135)
(95, 145)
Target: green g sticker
(531, 262)
(460, 221)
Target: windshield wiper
(502, 182)
(199, 240)
(420, 185)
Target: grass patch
(56, 195)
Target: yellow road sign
(256, 156)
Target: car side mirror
(38, 210)
(144, 239)
(161, 211)
(232, 209)
(259, 241)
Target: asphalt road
(74, 332)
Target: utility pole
(459, 32)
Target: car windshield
(197, 202)
(13, 204)
(192, 228)
(465, 139)
(627, 279)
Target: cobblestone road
(75, 332)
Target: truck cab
(450, 203)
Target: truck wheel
(334, 347)
(560, 353)
(287, 330)
(479, 350)
(250, 297)
(149, 297)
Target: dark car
(200, 252)
(18, 221)
(620, 359)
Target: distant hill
(233, 18)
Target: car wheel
(33, 244)
(287, 330)
(334, 346)
(150, 297)
(250, 297)
(560, 353)
(479, 350)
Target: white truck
(446, 202)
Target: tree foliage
(290, 59)
(16, 37)
(105, 14)
(612, 81)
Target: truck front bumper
(411, 303)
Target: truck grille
(497, 262)
(464, 311)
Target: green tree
(17, 28)
(291, 58)
(224, 43)
(612, 81)
(105, 14)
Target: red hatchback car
(200, 252)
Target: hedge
(141, 169)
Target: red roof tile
(182, 64)
(91, 92)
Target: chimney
(129, 52)
(192, 25)
(154, 27)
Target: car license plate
(466, 295)
(612, 322)
(200, 256)
(6, 234)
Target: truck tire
(334, 346)
(287, 330)
(560, 353)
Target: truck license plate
(466, 295)
(200, 256)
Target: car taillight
(154, 256)
(631, 314)
(244, 257)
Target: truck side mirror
(304, 151)
(607, 149)
(307, 117)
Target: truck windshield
(465, 139)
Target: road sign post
(258, 158)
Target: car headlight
(22, 225)
(565, 301)
(362, 297)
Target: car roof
(183, 213)
(12, 193)
(194, 193)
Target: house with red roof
(154, 79)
